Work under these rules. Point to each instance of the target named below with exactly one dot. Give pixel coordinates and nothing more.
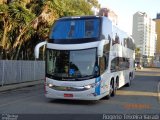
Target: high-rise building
(143, 32)
(157, 20)
(110, 14)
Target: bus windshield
(72, 65)
(75, 29)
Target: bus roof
(79, 17)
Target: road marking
(137, 106)
(124, 103)
(138, 93)
(142, 74)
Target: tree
(5, 20)
(25, 18)
(24, 23)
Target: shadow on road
(74, 102)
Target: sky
(126, 8)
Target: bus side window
(131, 44)
(102, 64)
(127, 63)
(115, 65)
(122, 64)
(115, 39)
(107, 59)
(125, 42)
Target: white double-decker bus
(87, 58)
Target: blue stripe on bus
(97, 88)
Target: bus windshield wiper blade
(85, 77)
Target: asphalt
(139, 98)
(20, 85)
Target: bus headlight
(50, 85)
(91, 85)
(87, 86)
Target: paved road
(141, 97)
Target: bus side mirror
(102, 37)
(36, 50)
(97, 71)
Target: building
(157, 20)
(143, 32)
(110, 14)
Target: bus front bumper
(78, 95)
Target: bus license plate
(68, 95)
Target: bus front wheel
(112, 90)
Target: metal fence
(157, 64)
(12, 71)
(158, 92)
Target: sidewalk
(149, 69)
(20, 85)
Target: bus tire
(111, 90)
(130, 79)
(114, 87)
(108, 97)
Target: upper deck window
(75, 29)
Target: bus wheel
(129, 83)
(110, 90)
(114, 88)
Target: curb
(20, 85)
(147, 69)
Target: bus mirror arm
(36, 50)
(97, 71)
(102, 37)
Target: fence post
(34, 69)
(2, 72)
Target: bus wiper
(68, 79)
(85, 77)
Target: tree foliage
(24, 23)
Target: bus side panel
(105, 82)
